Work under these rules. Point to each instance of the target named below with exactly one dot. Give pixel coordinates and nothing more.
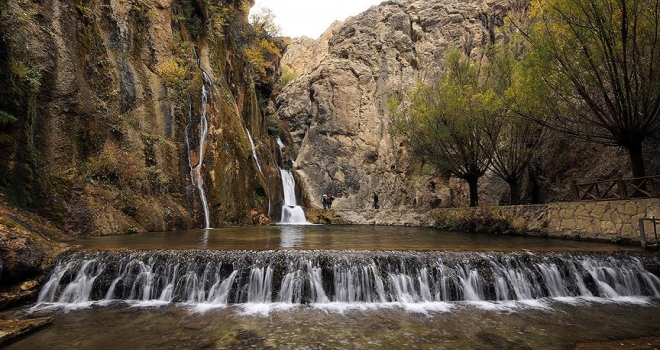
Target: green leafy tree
(264, 24)
(514, 140)
(594, 70)
(448, 122)
(262, 50)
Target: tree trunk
(636, 159)
(474, 195)
(533, 186)
(514, 197)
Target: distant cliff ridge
(337, 110)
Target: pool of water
(545, 325)
(542, 323)
(337, 237)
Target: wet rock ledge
(11, 330)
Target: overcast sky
(311, 17)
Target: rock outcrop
(337, 113)
(303, 54)
(100, 123)
(28, 244)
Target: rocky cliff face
(337, 112)
(100, 125)
(338, 119)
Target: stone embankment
(382, 217)
(604, 221)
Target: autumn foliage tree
(263, 51)
(446, 123)
(594, 66)
(514, 140)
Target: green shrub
(288, 75)
(487, 219)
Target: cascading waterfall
(343, 277)
(280, 145)
(292, 213)
(254, 152)
(196, 170)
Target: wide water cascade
(376, 278)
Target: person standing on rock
(376, 206)
(324, 201)
(330, 200)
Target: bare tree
(594, 68)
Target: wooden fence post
(642, 234)
(623, 193)
(576, 193)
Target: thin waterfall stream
(256, 160)
(280, 146)
(196, 169)
(254, 152)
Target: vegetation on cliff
(21, 82)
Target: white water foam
(292, 213)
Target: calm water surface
(336, 237)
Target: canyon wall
(337, 112)
(100, 123)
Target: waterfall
(196, 170)
(281, 145)
(256, 160)
(347, 277)
(254, 152)
(292, 213)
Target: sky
(311, 17)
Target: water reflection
(291, 236)
(204, 241)
(334, 237)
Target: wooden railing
(641, 187)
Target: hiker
(432, 185)
(324, 201)
(376, 206)
(330, 200)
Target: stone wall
(604, 221)
(382, 217)
(609, 220)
